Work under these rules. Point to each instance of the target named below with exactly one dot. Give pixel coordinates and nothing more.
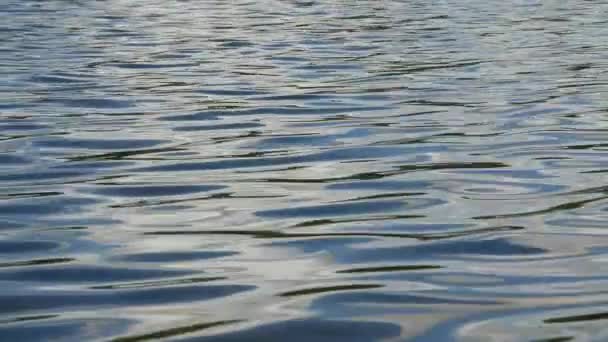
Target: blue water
(279, 170)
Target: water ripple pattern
(325, 170)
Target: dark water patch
(28, 318)
(98, 144)
(36, 262)
(555, 339)
(15, 105)
(183, 294)
(152, 190)
(34, 176)
(29, 195)
(94, 103)
(80, 274)
(319, 290)
(54, 79)
(22, 246)
(404, 268)
(22, 127)
(8, 159)
(579, 318)
(306, 329)
(380, 185)
(4, 224)
(93, 165)
(174, 332)
(496, 247)
(125, 154)
(43, 206)
(344, 253)
(64, 300)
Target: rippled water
(278, 170)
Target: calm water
(326, 170)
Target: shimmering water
(280, 170)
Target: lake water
(282, 170)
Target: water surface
(322, 170)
